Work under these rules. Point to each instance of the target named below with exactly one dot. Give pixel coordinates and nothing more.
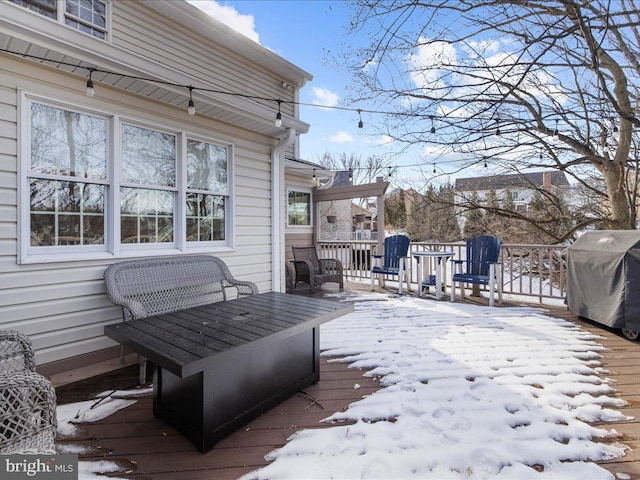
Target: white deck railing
(530, 270)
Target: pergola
(377, 189)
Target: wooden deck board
(155, 451)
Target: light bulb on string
(498, 126)
(485, 163)
(390, 172)
(90, 91)
(315, 179)
(278, 122)
(351, 175)
(191, 110)
(434, 168)
(556, 132)
(360, 123)
(433, 129)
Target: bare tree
(519, 84)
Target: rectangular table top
(189, 341)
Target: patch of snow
(469, 392)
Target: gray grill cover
(603, 278)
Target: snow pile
(105, 404)
(470, 392)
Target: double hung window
(298, 208)
(100, 184)
(88, 16)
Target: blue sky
(307, 33)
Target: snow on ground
(105, 404)
(470, 392)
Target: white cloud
(341, 137)
(228, 15)
(425, 61)
(380, 140)
(324, 96)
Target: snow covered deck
(143, 447)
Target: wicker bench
(153, 286)
(27, 400)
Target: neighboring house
(522, 187)
(86, 181)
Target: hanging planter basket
(331, 218)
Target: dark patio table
(222, 364)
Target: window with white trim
(298, 208)
(67, 177)
(147, 185)
(207, 191)
(86, 194)
(88, 16)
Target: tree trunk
(620, 218)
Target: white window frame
(112, 246)
(301, 190)
(61, 15)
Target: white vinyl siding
(144, 31)
(63, 306)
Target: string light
(434, 168)
(556, 133)
(351, 175)
(192, 108)
(315, 179)
(279, 115)
(390, 172)
(360, 124)
(90, 91)
(485, 163)
(498, 126)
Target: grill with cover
(603, 271)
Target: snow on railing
(527, 270)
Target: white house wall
(62, 306)
(141, 30)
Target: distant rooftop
(497, 182)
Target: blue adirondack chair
(482, 267)
(394, 260)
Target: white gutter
(277, 212)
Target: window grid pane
(205, 217)
(67, 143)
(89, 16)
(48, 8)
(148, 157)
(146, 216)
(66, 213)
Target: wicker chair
(316, 271)
(27, 400)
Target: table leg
(420, 275)
(444, 276)
(438, 286)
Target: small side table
(437, 280)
